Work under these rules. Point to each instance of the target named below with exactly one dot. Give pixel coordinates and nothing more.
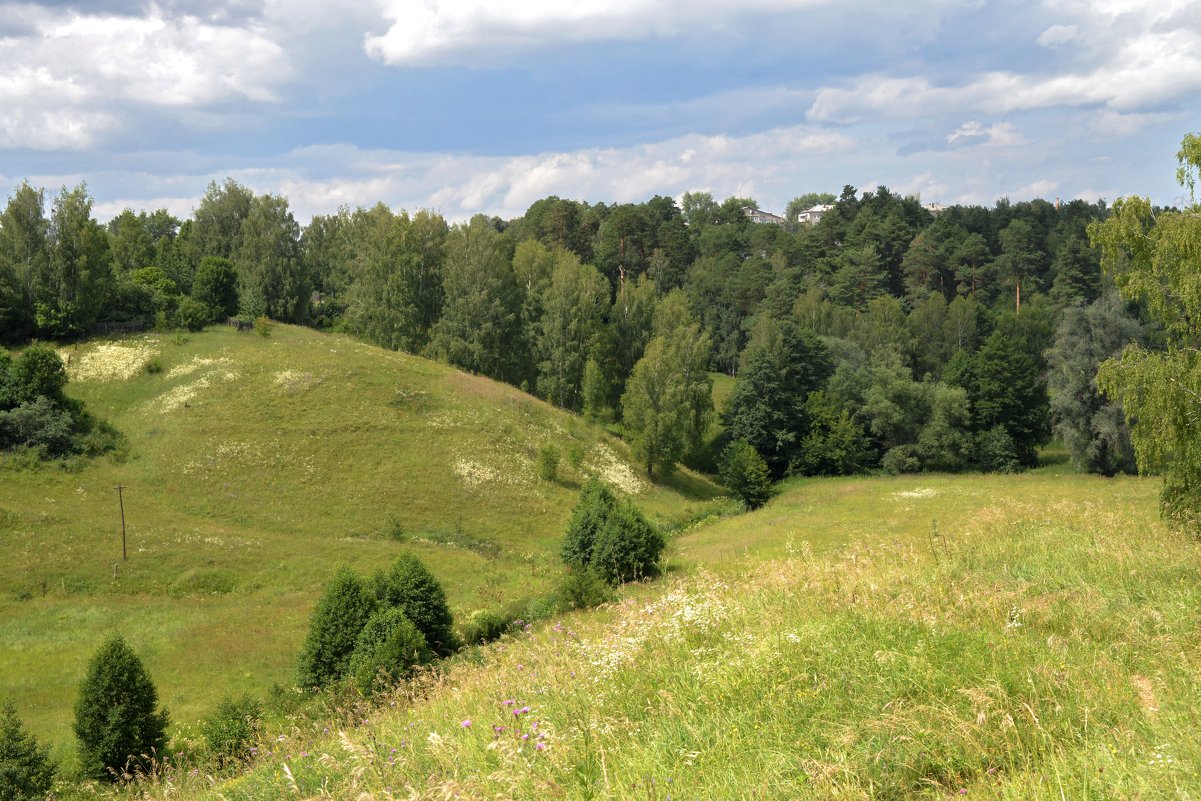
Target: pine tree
(26, 772)
(340, 615)
(409, 586)
(387, 650)
(610, 538)
(1011, 393)
(116, 721)
(745, 473)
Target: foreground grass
(1046, 655)
(255, 466)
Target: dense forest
(884, 335)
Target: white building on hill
(760, 216)
(813, 215)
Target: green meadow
(254, 465)
(1030, 636)
(1040, 642)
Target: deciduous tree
(1153, 259)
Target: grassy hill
(255, 465)
(1041, 643)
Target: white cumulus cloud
(459, 31)
(67, 76)
(1152, 57)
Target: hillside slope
(1044, 646)
(255, 466)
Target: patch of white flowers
(613, 471)
(109, 362)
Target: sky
(479, 106)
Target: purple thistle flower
(466, 724)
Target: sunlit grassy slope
(1043, 642)
(255, 466)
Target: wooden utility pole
(121, 501)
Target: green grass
(1008, 637)
(1043, 646)
(255, 465)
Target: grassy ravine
(255, 466)
(1043, 645)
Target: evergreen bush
(589, 514)
(409, 586)
(997, 451)
(389, 647)
(26, 772)
(627, 547)
(232, 728)
(484, 625)
(334, 628)
(116, 720)
(548, 462)
(582, 589)
(610, 538)
(192, 314)
(745, 472)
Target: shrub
(484, 626)
(38, 371)
(334, 628)
(232, 727)
(410, 587)
(611, 538)
(997, 451)
(154, 366)
(116, 721)
(38, 423)
(596, 501)
(745, 472)
(193, 315)
(575, 455)
(627, 547)
(582, 589)
(262, 324)
(26, 771)
(548, 462)
(388, 649)
(901, 459)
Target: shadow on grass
(692, 486)
(1055, 460)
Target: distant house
(760, 216)
(935, 209)
(813, 215)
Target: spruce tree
(340, 615)
(610, 538)
(389, 647)
(745, 473)
(409, 586)
(116, 720)
(26, 771)
(1012, 393)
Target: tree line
(881, 336)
